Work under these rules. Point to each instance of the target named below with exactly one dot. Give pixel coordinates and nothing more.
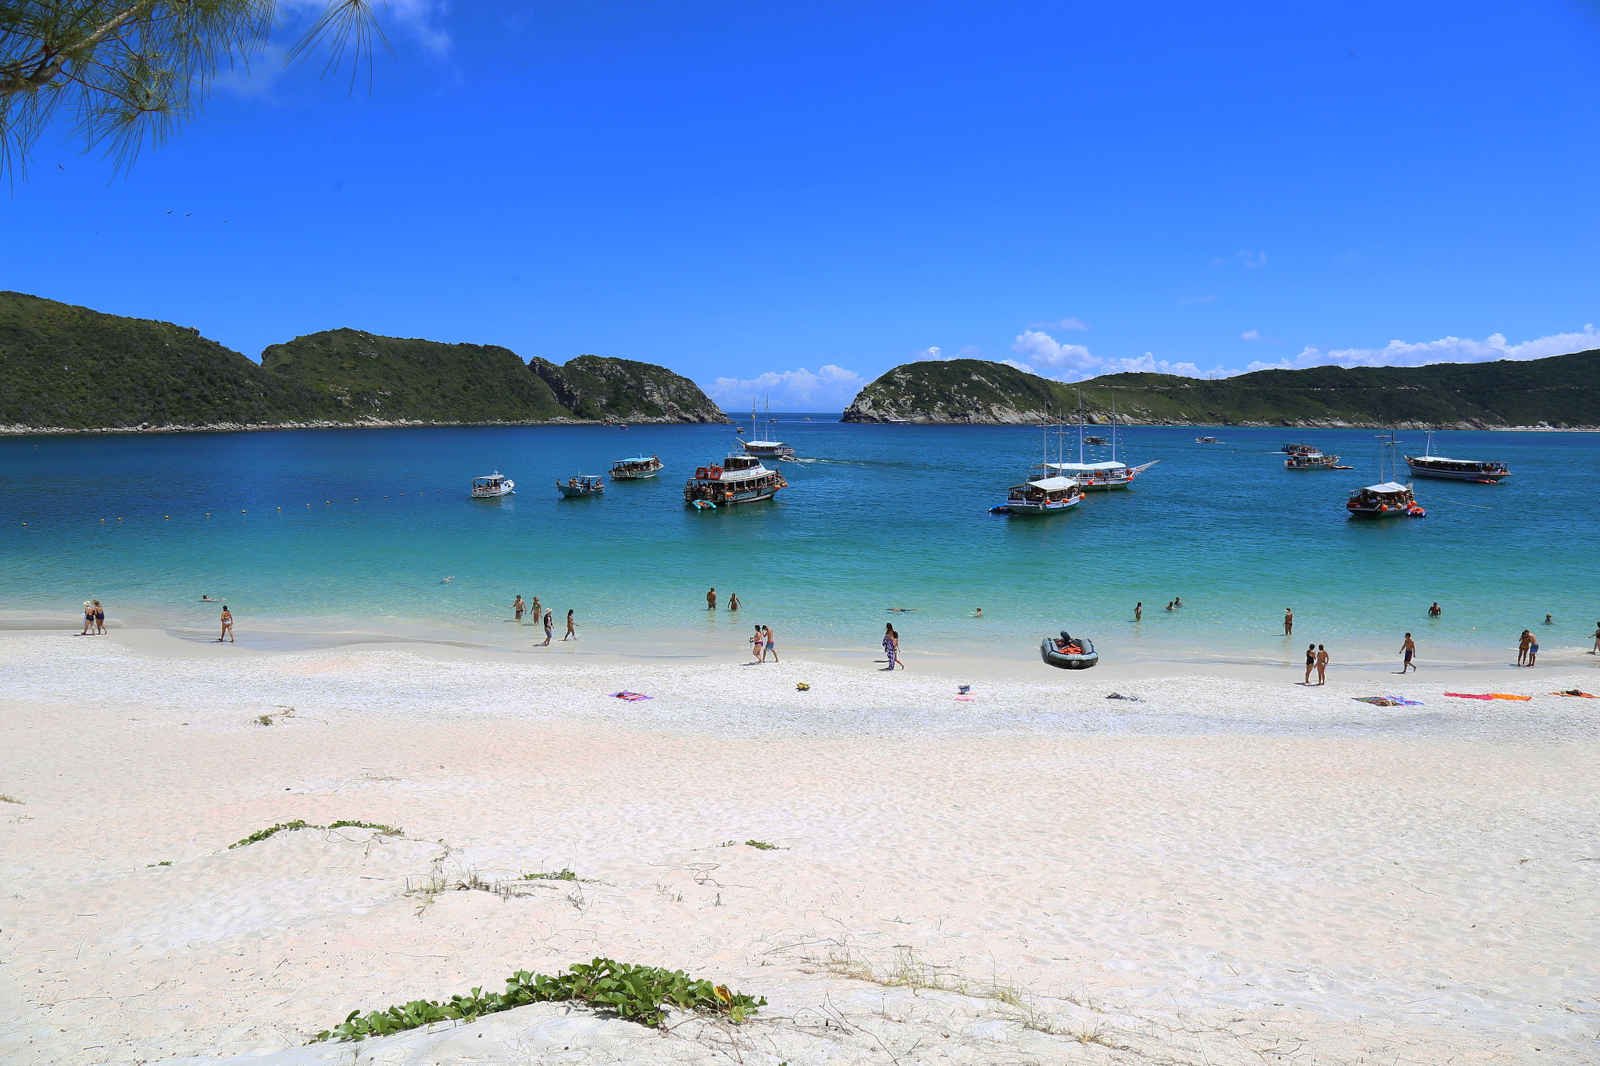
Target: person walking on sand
(1311, 662)
(1409, 650)
(1533, 649)
(733, 601)
(549, 628)
(1522, 647)
(572, 629)
(99, 619)
(88, 620)
(1322, 665)
(891, 644)
(227, 626)
(711, 598)
(758, 646)
(771, 645)
(517, 606)
(1288, 621)
(1138, 611)
(1596, 649)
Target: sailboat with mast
(765, 448)
(1106, 474)
(1044, 492)
(1386, 499)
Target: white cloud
(827, 388)
(1038, 348)
(932, 351)
(1250, 335)
(1042, 354)
(1444, 350)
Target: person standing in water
(733, 601)
(1322, 665)
(1138, 611)
(1435, 610)
(711, 598)
(1409, 650)
(1288, 621)
(572, 628)
(549, 628)
(517, 606)
(537, 613)
(1311, 661)
(227, 626)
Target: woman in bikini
(572, 628)
(227, 626)
(1311, 661)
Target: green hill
(361, 376)
(1562, 391)
(598, 387)
(70, 368)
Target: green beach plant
(640, 994)
(300, 823)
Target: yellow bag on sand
(801, 686)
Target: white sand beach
(1231, 868)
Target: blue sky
(793, 201)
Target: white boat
(579, 486)
(1101, 476)
(1205, 440)
(740, 479)
(492, 486)
(1386, 499)
(1311, 460)
(1041, 496)
(1483, 471)
(765, 449)
(636, 468)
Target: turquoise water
(358, 528)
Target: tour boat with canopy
(1101, 476)
(740, 479)
(765, 449)
(1483, 471)
(492, 486)
(579, 486)
(1387, 499)
(1311, 460)
(637, 468)
(1044, 492)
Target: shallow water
(359, 528)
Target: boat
(1095, 441)
(1067, 652)
(1044, 491)
(1300, 449)
(765, 449)
(1205, 440)
(579, 486)
(1104, 475)
(492, 486)
(1386, 499)
(636, 468)
(1483, 471)
(1312, 460)
(740, 479)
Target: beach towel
(1388, 701)
(631, 697)
(963, 699)
(1487, 696)
(1582, 695)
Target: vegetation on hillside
(1561, 391)
(67, 367)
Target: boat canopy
(763, 444)
(1443, 459)
(1105, 467)
(641, 459)
(1052, 484)
(1388, 486)
(488, 479)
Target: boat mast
(1113, 429)
(1080, 427)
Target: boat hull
(1033, 510)
(1062, 661)
(732, 498)
(1480, 476)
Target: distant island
(71, 369)
(1561, 392)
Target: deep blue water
(343, 527)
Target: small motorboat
(580, 485)
(1205, 440)
(1094, 440)
(492, 486)
(1068, 652)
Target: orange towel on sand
(1487, 696)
